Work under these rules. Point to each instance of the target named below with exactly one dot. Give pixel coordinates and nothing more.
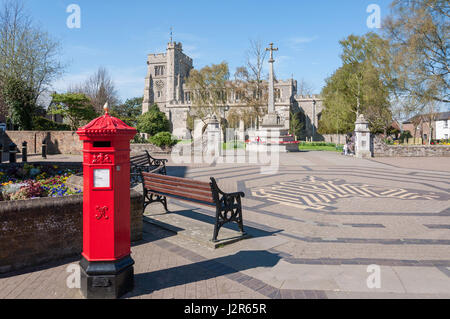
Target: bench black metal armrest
(216, 187)
(237, 194)
(228, 208)
(156, 161)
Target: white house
(443, 126)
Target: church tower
(167, 72)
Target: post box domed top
(107, 125)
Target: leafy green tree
(296, 125)
(20, 100)
(418, 34)
(360, 85)
(129, 111)
(76, 109)
(153, 122)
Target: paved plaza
(319, 227)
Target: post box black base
(106, 280)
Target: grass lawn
(233, 145)
(319, 146)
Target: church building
(165, 85)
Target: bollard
(24, 152)
(1, 153)
(44, 149)
(12, 152)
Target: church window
(159, 70)
(277, 93)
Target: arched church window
(277, 94)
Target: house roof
(442, 116)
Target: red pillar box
(106, 264)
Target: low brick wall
(37, 231)
(58, 142)
(62, 142)
(137, 149)
(381, 149)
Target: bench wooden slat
(201, 202)
(206, 188)
(150, 184)
(181, 182)
(139, 162)
(177, 179)
(187, 195)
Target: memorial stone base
(271, 139)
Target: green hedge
(163, 139)
(317, 144)
(42, 124)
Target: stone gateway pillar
(362, 138)
(213, 137)
(106, 264)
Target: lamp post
(314, 121)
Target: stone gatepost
(362, 138)
(213, 137)
(241, 131)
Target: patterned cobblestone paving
(317, 224)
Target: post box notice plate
(102, 178)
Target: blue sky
(118, 34)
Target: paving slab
(296, 251)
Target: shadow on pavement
(210, 219)
(152, 281)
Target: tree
(76, 108)
(304, 88)
(418, 34)
(100, 88)
(20, 99)
(296, 125)
(209, 88)
(28, 55)
(153, 122)
(128, 111)
(249, 82)
(361, 85)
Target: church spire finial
(171, 35)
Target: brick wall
(58, 142)
(137, 149)
(37, 231)
(62, 142)
(381, 149)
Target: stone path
(320, 228)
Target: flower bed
(35, 181)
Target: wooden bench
(228, 206)
(146, 163)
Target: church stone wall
(168, 91)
